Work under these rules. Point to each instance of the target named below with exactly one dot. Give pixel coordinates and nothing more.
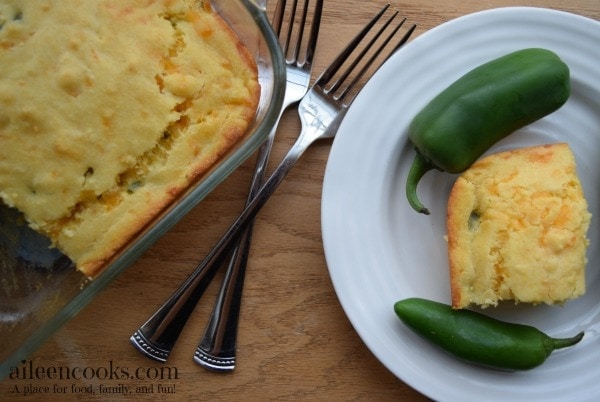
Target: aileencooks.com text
(28, 370)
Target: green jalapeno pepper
(482, 107)
(477, 338)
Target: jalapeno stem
(419, 167)
(566, 342)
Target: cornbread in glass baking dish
(517, 225)
(40, 288)
(110, 109)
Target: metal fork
(321, 111)
(217, 350)
(154, 339)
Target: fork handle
(217, 348)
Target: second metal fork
(217, 349)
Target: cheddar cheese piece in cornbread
(109, 109)
(517, 224)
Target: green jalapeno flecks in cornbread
(477, 338)
(482, 107)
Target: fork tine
(314, 33)
(278, 16)
(290, 28)
(298, 44)
(403, 40)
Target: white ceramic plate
(380, 251)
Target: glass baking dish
(39, 287)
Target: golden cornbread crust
(517, 224)
(109, 109)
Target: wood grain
(295, 342)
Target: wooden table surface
(295, 341)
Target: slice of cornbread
(517, 224)
(111, 108)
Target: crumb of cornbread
(517, 224)
(110, 108)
